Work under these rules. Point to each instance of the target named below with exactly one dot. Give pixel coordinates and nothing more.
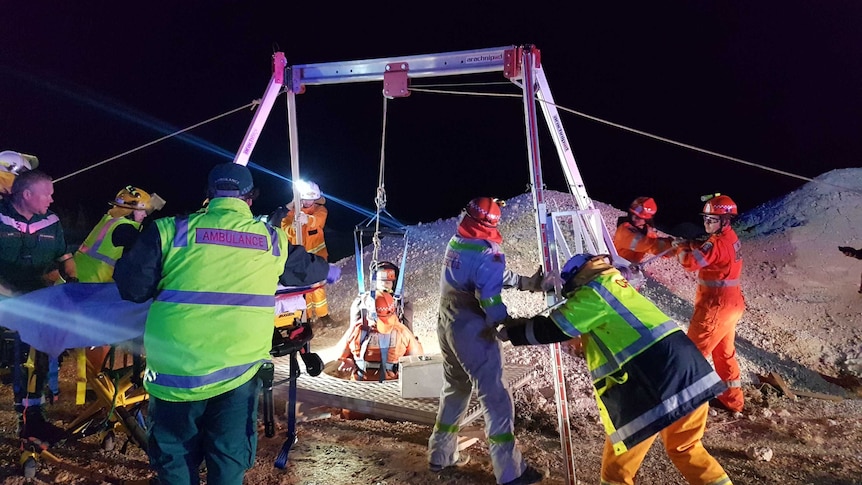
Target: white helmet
(14, 162)
(307, 190)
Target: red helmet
(384, 304)
(485, 210)
(643, 207)
(720, 205)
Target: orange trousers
(713, 331)
(681, 441)
(316, 303)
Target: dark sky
(773, 83)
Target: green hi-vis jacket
(210, 325)
(96, 257)
(646, 372)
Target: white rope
(158, 140)
(646, 134)
(380, 196)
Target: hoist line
(380, 196)
(646, 134)
(158, 140)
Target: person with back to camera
(473, 276)
(212, 275)
(718, 302)
(648, 378)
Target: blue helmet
(574, 264)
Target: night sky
(773, 83)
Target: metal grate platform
(381, 399)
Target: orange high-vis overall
(682, 441)
(314, 242)
(718, 306)
(635, 244)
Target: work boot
(33, 424)
(326, 321)
(462, 460)
(530, 475)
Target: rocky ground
(802, 322)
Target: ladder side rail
(271, 92)
(293, 135)
(561, 141)
(529, 68)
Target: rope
(158, 140)
(644, 133)
(380, 197)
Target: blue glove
(334, 274)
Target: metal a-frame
(519, 64)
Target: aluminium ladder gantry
(522, 66)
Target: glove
(495, 333)
(533, 283)
(302, 217)
(333, 274)
(277, 216)
(551, 281)
(346, 365)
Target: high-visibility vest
(629, 344)
(210, 325)
(97, 255)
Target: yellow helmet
(16, 163)
(133, 198)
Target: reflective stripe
(33, 401)
(460, 246)
(318, 248)
(98, 243)
(191, 382)
(446, 428)
(181, 238)
(565, 325)
(718, 283)
(530, 333)
(647, 336)
(489, 302)
(216, 298)
(698, 256)
(725, 480)
(666, 407)
(734, 383)
(498, 439)
(273, 236)
(635, 241)
(27, 228)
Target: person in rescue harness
(853, 253)
(32, 243)
(212, 276)
(385, 279)
(648, 377)
(11, 164)
(473, 276)
(636, 238)
(312, 215)
(379, 344)
(718, 301)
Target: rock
(766, 412)
(759, 453)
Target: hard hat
(643, 207)
(485, 210)
(574, 264)
(384, 304)
(133, 198)
(719, 205)
(385, 271)
(14, 162)
(230, 180)
(307, 190)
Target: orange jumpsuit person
(313, 218)
(379, 345)
(718, 302)
(635, 237)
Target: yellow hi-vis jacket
(97, 255)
